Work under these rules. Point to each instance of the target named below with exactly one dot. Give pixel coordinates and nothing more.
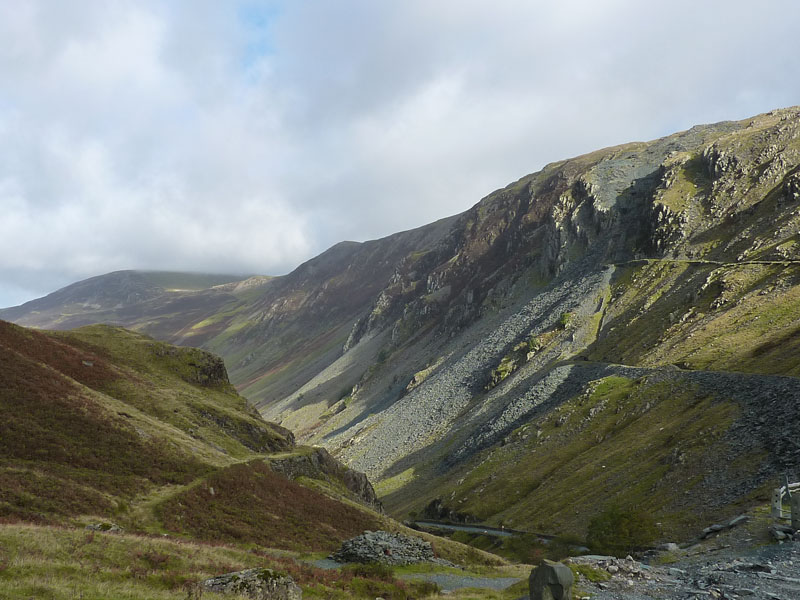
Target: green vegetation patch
(630, 441)
(736, 317)
(55, 563)
(525, 350)
(617, 530)
(53, 426)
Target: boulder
(104, 527)
(257, 584)
(669, 547)
(387, 548)
(735, 522)
(551, 581)
(437, 511)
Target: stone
(735, 522)
(779, 535)
(669, 547)
(256, 584)
(387, 548)
(551, 581)
(104, 527)
(711, 529)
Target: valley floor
(61, 563)
(721, 569)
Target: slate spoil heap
(721, 572)
(387, 548)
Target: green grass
(613, 443)
(53, 563)
(689, 179)
(589, 572)
(704, 317)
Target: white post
(777, 496)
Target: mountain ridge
(673, 256)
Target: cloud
(248, 136)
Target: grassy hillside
(741, 316)
(627, 442)
(173, 281)
(604, 333)
(51, 563)
(103, 422)
(105, 425)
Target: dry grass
(54, 563)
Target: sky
(247, 137)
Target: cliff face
(419, 357)
(651, 255)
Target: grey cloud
(248, 136)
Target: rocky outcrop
(209, 369)
(319, 464)
(623, 238)
(437, 511)
(256, 584)
(193, 365)
(386, 548)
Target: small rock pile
(619, 567)
(721, 572)
(387, 548)
(257, 584)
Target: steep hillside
(618, 328)
(674, 254)
(101, 422)
(103, 427)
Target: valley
(616, 334)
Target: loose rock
(257, 584)
(387, 548)
(104, 527)
(551, 581)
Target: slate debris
(105, 527)
(387, 548)
(718, 573)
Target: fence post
(777, 497)
(796, 511)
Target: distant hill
(164, 304)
